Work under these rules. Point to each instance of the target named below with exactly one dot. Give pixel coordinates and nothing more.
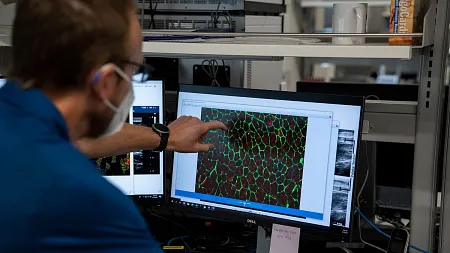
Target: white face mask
(121, 112)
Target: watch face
(161, 128)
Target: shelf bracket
(428, 26)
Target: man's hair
(58, 43)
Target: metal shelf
(257, 45)
(192, 5)
(256, 50)
(325, 4)
(260, 50)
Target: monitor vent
(161, 23)
(248, 73)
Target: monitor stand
(263, 241)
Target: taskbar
(193, 205)
(148, 196)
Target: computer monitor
(397, 92)
(140, 173)
(287, 158)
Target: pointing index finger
(212, 125)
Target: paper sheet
(284, 239)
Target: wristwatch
(163, 132)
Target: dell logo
(251, 221)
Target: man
(79, 56)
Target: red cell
(266, 186)
(282, 199)
(250, 179)
(244, 182)
(243, 194)
(260, 194)
(273, 138)
(260, 182)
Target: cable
(367, 243)
(152, 24)
(358, 198)
(371, 224)
(182, 239)
(361, 215)
(211, 68)
(383, 233)
(215, 15)
(176, 238)
(226, 74)
(373, 96)
(358, 203)
(171, 221)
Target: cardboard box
(406, 17)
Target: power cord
(211, 68)
(215, 15)
(358, 202)
(152, 24)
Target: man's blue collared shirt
(52, 197)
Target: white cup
(349, 18)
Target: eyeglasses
(143, 71)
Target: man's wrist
(170, 143)
(163, 132)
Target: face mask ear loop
(111, 106)
(97, 77)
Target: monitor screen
(139, 173)
(2, 82)
(286, 157)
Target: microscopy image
(341, 188)
(341, 184)
(259, 159)
(114, 166)
(344, 154)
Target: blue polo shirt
(52, 197)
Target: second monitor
(286, 158)
(139, 173)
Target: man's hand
(187, 133)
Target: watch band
(163, 143)
(163, 131)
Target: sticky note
(284, 239)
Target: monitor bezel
(331, 233)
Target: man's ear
(103, 81)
